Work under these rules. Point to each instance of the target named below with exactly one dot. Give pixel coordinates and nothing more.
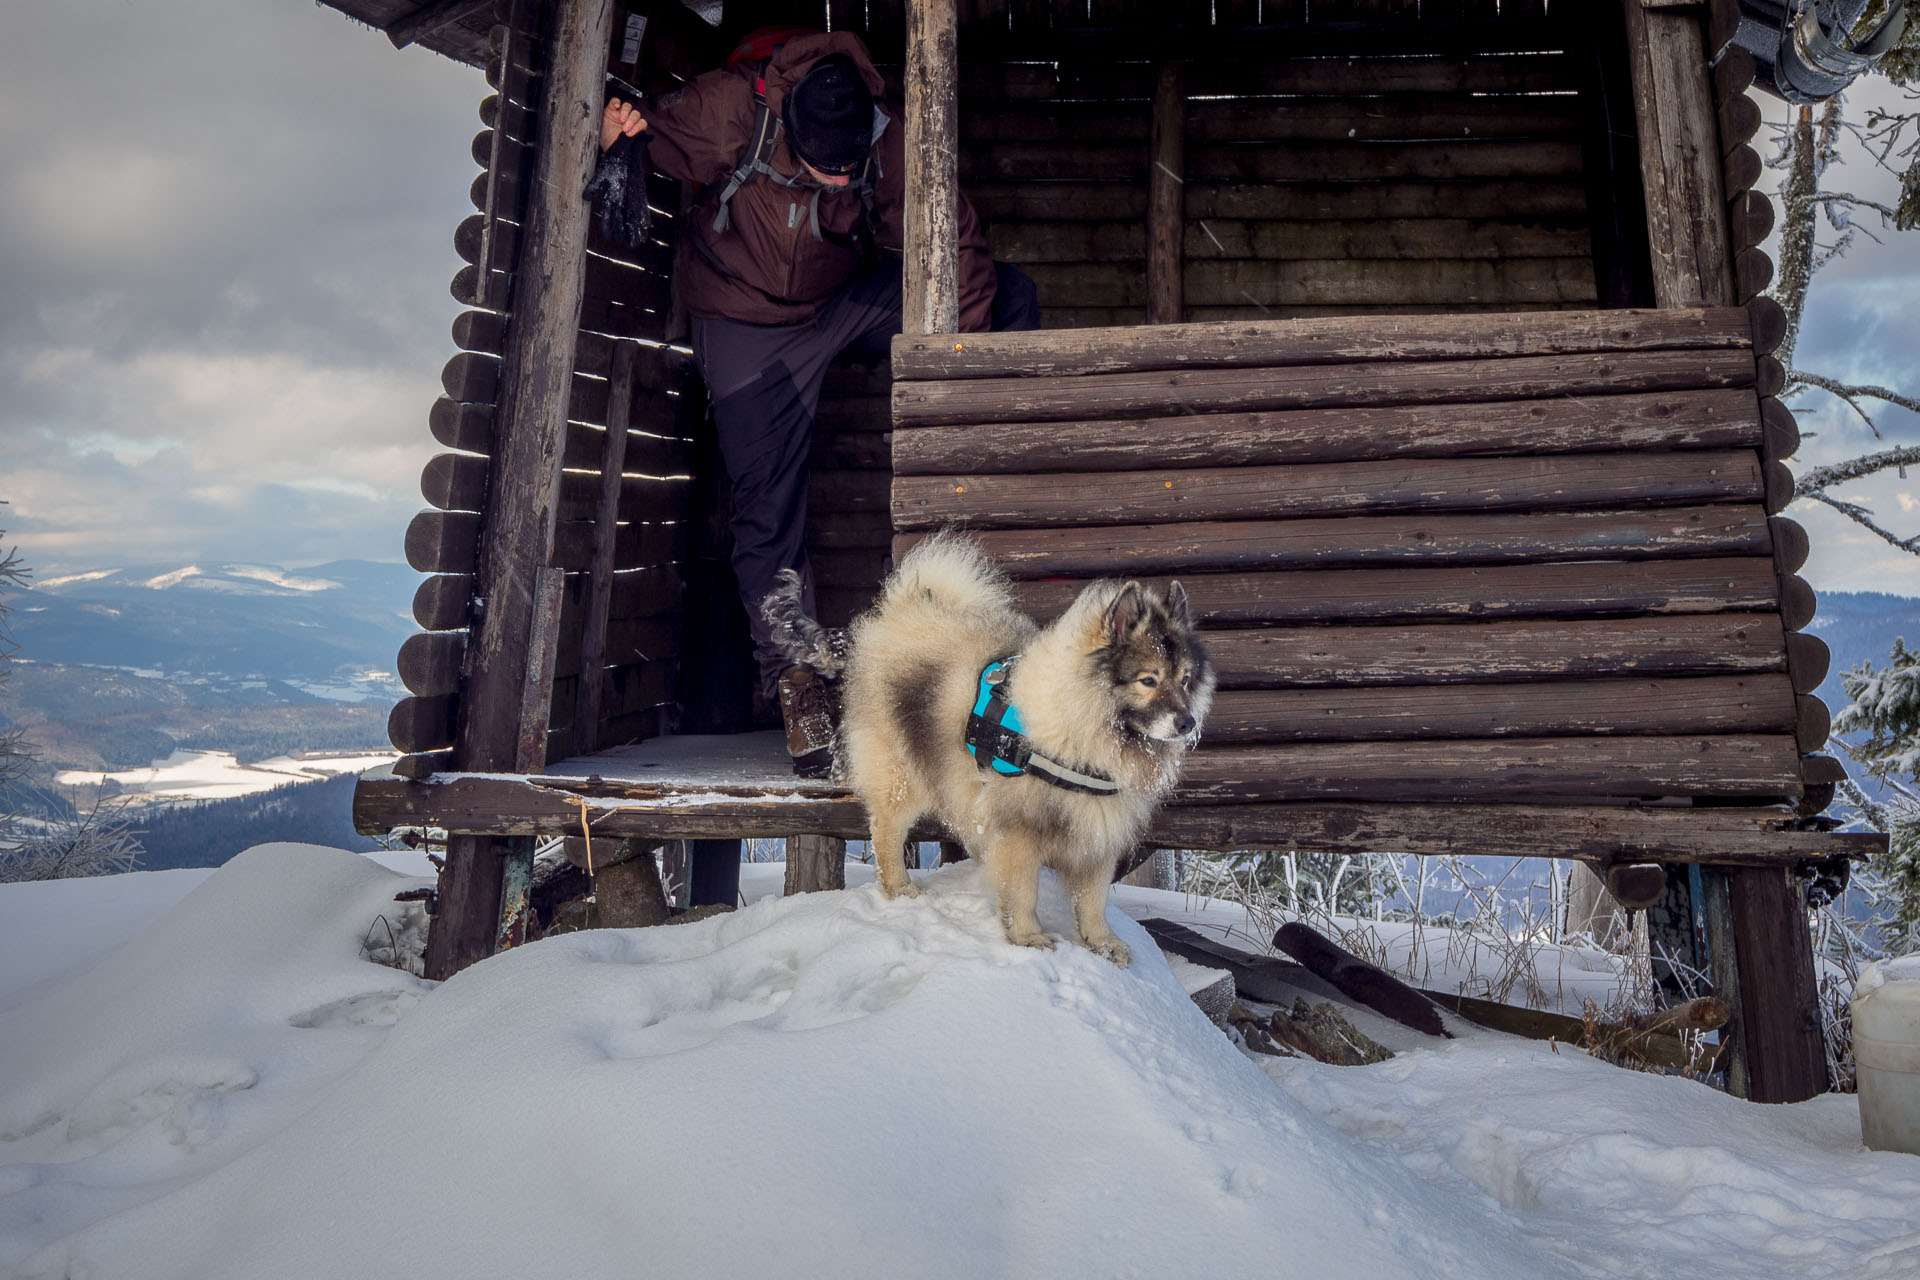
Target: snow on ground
(218, 775)
(831, 1084)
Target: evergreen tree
(1885, 710)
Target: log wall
(623, 492)
(1337, 158)
(1495, 557)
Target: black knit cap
(829, 116)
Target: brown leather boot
(811, 709)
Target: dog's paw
(1031, 938)
(905, 889)
(1111, 948)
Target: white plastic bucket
(1886, 1053)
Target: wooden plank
(1487, 652)
(1356, 541)
(1280, 161)
(593, 641)
(1679, 151)
(989, 501)
(1324, 386)
(1658, 421)
(1166, 179)
(1478, 592)
(1330, 119)
(1702, 704)
(1243, 344)
(1510, 198)
(1751, 836)
(1245, 238)
(1377, 281)
(422, 724)
(932, 296)
(1468, 769)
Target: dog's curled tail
(799, 636)
(954, 571)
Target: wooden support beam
(502, 715)
(1679, 156)
(932, 289)
(1779, 1027)
(1166, 188)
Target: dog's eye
(1186, 681)
(1150, 682)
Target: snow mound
(832, 1084)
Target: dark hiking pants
(765, 381)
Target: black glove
(620, 186)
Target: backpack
(759, 46)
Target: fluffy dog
(1108, 699)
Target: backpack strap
(766, 131)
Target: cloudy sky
(225, 242)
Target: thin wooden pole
(606, 516)
(932, 300)
(1166, 202)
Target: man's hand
(618, 120)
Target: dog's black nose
(1183, 723)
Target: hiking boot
(811, 710)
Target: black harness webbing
(997, 741)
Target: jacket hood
(798, 55)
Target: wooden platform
(741, 786)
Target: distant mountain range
(322, 629)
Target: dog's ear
(1178, 608)
(1124, 614)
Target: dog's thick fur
(1117, 685)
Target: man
(790, 258)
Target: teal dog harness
(998, 743)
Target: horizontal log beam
(1323, 386)
(1723, 836)
(1357, 541)
(1705, 705)
(1487, 592)
(1272, 343)
(1652, 422)
(1468, 769)
(987, 501)
(1477, 652)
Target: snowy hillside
(830, 1085)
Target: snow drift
(826, 1085)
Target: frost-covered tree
(1885, 716)
(64, 839)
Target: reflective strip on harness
(997, 740)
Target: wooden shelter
(1419, 338)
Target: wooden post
(1679, 156)
(1779, 1015)
(815, 862)
(1723, 957)
(1166, 196)
(932, 298)
(606, 530)
(502, 704)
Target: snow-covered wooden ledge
(741, 786)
